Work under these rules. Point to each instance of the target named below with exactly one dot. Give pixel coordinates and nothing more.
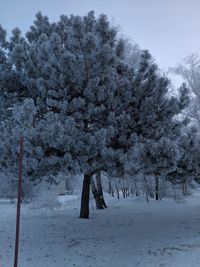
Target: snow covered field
(128, 233)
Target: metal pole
(18, 203)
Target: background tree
(189, 70)
(153, 121)
(188, 164)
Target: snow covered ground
(128, 233)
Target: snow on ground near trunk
(128, 233)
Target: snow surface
(130, 232)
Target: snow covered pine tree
(69, 72)
(88, 106)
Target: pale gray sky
(168, 28)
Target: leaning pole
(19, 195)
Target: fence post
(18, 203)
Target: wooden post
(18, 203)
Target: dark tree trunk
(96, 194)
(157, 187)
(110, 186)
(100, 190)
(111, 191)
(146, 188)
(84, 212)
(137, 193)
(185, 189)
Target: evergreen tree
(153, 125)
(188, 164)
(81, 107)
(71, 70)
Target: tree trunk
(123, 189)
(146, 189)
(117, 190)
(137, 193)
(84, 212)
(100, 190)
(157, 187)
(96, 194)
(185, 189)
(111, 191)
(110, 186)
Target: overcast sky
(169, 29)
